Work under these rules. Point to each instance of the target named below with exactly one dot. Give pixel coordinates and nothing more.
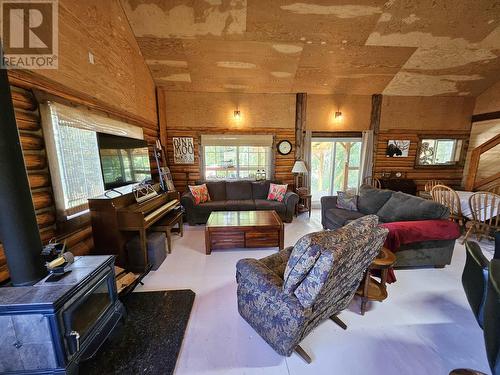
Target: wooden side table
(304, 203)
(371, 289)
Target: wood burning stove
(52, 326)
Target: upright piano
(116, 217)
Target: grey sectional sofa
(237, 196)
(391, 206)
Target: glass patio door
(335, 165)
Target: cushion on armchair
(357, 244)
(304, 254)
(320, 245)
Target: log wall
(78, 235)
(450, 176)
(184, 175)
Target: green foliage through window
(236, 162)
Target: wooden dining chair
(430, 184)
(426, 193)
(449, 198)
(485, 208)
(372, 181)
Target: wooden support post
(375, 124)
(300, 125)
(161, 108)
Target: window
(335, 166)
(236, 162)
(236, 157)
(439, 152)
(80, 169)
(73, 153)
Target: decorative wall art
(397, 148)
(183, 150)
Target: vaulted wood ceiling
(395, 47)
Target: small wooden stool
(167, 224)
(371, 289)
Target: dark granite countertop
(45, 294)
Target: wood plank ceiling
(395, 47)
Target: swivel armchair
(286, 295)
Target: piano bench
(166, 225)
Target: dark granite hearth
(150, 340)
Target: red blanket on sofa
(406, 232)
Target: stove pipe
(18, 227)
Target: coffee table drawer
(227, 240)
(262, 238)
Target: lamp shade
(299, 167)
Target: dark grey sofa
(237, 196)
(391, 206)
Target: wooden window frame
(456, 137)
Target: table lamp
(299, 168)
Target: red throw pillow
(277, 192)
(200, 193)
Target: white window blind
(73, 153)
(237, 156)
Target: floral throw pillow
(276, 192)
(200, 193)
(347, 201)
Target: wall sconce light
(237, 114)
(338, 116)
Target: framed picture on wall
(397, 148)
(183, 150)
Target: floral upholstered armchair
(286, 295)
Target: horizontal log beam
(486, 116)
(38, 180)
(35, 161)
(27, 121)
(42, 199)
(31, 141)
(23, 100)
(30, 80)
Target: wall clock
(397, 174)
(284, 147)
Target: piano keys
(143, 215)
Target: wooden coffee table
(237, 229)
